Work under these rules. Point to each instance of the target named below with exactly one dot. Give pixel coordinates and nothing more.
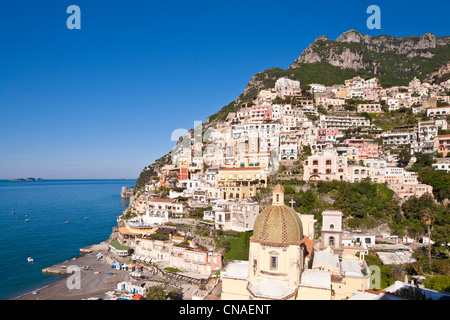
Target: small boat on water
(30, 259)
(85, 218)
(66, 222)
(27, 220)
(13, 212)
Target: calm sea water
(46, 237)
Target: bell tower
(332, 229)
(278, 195)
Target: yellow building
(240, 183)
(277, 257)
(343, 93)
(278, 265)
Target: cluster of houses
(233, 159)
(221, 168)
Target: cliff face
(375, 54)
(393, 60)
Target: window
(273, 262)
(331, 241)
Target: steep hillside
(394, 60)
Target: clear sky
(103, 101)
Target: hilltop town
(200, 214)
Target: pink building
(414, 190)
(329, 134)
(442, 144)
(260, 113)
(368, 148)
(370, 94)
(289, 91)
(195, 260)
(326, 165)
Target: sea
(56, 229)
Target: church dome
(278, 224)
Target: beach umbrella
(138, 297)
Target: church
(283, 264)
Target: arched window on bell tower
(331, 241)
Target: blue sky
(103, 101)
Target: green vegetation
(236, 245)
(439, 283)
(163, 292)
(363, 204)
(223, 113)
(438, 179)
(145, 177)
(367, 205)
(386, 272)
(414, 293)
(416, 212)
(174, 270)
(422, 160)
(116, 244)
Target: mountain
(394, 60)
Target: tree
(224, 245)
(438, 179)
(163, 292)
(428, 218)
(404, 155)
(440, 283)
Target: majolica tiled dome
(278, 224)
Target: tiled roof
(278, 224)
(439, 107)
(162, 200)
(241, 169)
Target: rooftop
(351, 268)
(316, 279)
(236, 270)
(240, 169)
(326, 257)
(272, 289)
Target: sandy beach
(96, 278)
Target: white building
(343, 122)
(442, 164)
(234, 215)
(399, 137)
(438, 111)
(284, 83)
(159, 210)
